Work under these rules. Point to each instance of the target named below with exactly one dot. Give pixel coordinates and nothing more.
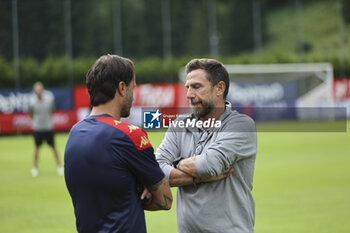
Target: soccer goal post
(312, 82)
(290, 86)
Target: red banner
(81, 97)
(159, 95)
(145, 95)
(341, 89)
(22, 122)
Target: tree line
(137, 27)
(42, 31)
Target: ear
(220, 88)
(122, 88)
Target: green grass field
(301, 185)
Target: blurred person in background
(41, 108)
(110, 168)
(200, 160)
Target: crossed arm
(214, 164)
(236, 142)
(185, 173)
(159, 197)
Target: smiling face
(200, 93)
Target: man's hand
(146, 197)
(179, 178)
(215, 178)
(187, 171)
(160, 194)
(188, 166)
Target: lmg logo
(151, 119)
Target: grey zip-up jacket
(224, 206)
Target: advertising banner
(272, 111)
(81, 97)
(145, 95)
(19, 101)
(22, 122)
(268, 101)
(264, 101)
(14, 108)
(280, 101)
(341, 94)
(242, 94)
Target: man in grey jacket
(200, 160)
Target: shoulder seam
(137, 135)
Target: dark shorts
(40, 136)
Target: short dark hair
(104, 76)
(215, 70)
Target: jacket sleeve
(167, 152)
(237, 140)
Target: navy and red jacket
(106, 161)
